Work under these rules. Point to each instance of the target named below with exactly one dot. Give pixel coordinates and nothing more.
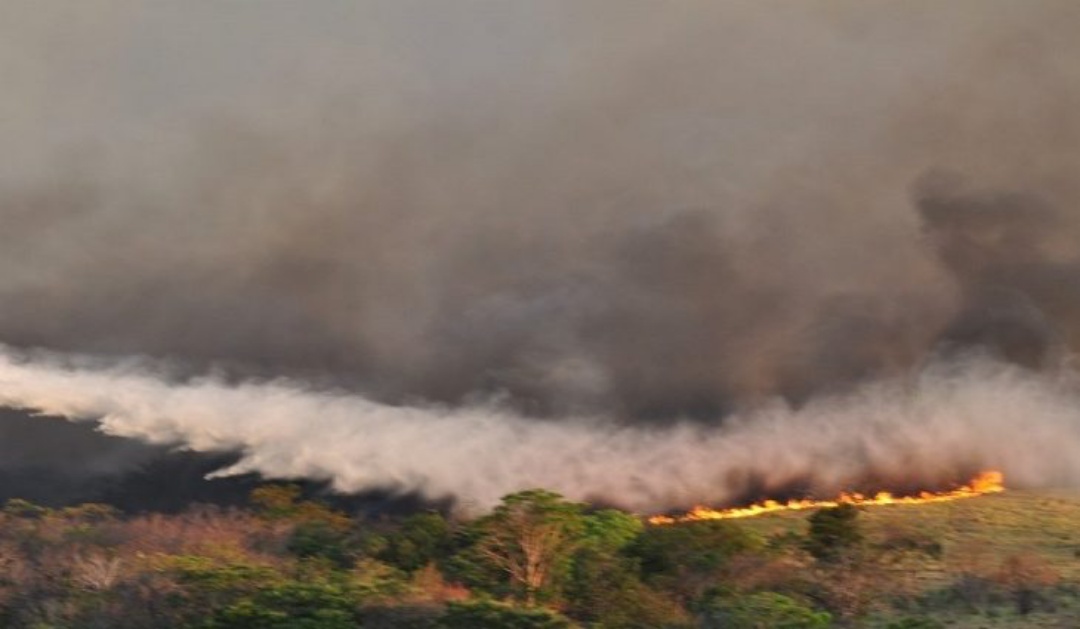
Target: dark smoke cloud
(1017, 261)
(619, 210)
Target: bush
(605, 589)
(317, 539)
(491, 615)
(763, 610)
(833, 532)
(291, 605)
(684, 559)
(422, 539)
(916, 623)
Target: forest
(289, 560)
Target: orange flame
(989, 482)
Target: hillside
(975, 536)
(540, 561)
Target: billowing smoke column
(643, 255)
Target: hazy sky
(276, 183)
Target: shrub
(763, 610)
(291, 605)
(915, 623)
(491, 615)
(833, 532)
(685, 559)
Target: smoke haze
(632, 251)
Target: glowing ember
(989, 482)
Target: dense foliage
(535, 561)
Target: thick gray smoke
(625, 226)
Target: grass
(1043, 522)
(976, 535)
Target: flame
(988, 482)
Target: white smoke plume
(948, 421)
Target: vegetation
(834, 533)
(540, 561)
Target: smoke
(619, 225)
(954, 419)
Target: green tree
(318, 531)
(282, 502)
(605, 589)
(610, 530)
(833, 533)
(321, 540)
(291, 605)
(468, 566)
(605, 586)
(530, 538)
(275, 502)
(203, 586)
(422, 539)
(686, 559)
